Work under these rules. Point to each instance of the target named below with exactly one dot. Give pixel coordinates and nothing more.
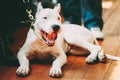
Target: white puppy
(49, 39)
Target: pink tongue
(51, 39)
(52, 36)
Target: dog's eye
(45, 17)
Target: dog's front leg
(57, 64)
(56, 71)
(23, 69)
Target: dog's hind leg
(101, 55)
(93, 49)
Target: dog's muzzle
(50, 38)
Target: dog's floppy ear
(57, 8)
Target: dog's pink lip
(49, 38)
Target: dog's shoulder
(31, 37)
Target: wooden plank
(112, 32)
(77, 70)
(114, 70)
(38, 70)
(64, 69)
(7, 72)
(112, 20)
(98, 71)
(107, 12)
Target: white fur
(68, 35)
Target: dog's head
(47, 23)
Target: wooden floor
(76, 68)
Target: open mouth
(49, 38)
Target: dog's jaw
(49, 38)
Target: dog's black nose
(55, 27)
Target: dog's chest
(43, 51)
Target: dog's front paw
(91, 59)
(22, 71)
(55, 72)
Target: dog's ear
(57, 8)
(39, 7)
